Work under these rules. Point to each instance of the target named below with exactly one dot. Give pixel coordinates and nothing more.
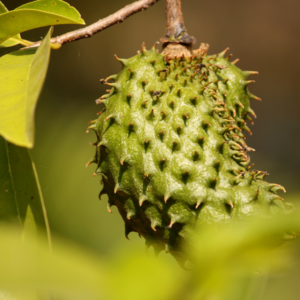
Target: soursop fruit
(171, 149)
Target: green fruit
(170, 147)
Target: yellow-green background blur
(264, 34)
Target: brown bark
(175, 24)
(176, 41)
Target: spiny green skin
(170, 148)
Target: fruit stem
(176, 33)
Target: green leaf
(74, 273)
(21, 200)
(134, 274)
(22, 74)
(71, 272)
(15, 40)
(218, 273)
(3, 9)
(37, 14)
(227, 257)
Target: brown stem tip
(176, 42)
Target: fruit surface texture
(171, 149)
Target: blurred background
(263, 34)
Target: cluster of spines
(230, 115)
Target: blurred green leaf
(14, 40)
(21, 200)
(29, 265)
(3, 9)
(74, 273)
(140, 277)
(25, 295)
(37, 14)
(22, 74)
(231, 261)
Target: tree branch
(89, 31)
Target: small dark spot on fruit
(179, 130)
(228, 208)
(196, 156)
(185, 176)
(31, 198)
(175, 146)
(161, 164)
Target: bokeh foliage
(229, 262)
